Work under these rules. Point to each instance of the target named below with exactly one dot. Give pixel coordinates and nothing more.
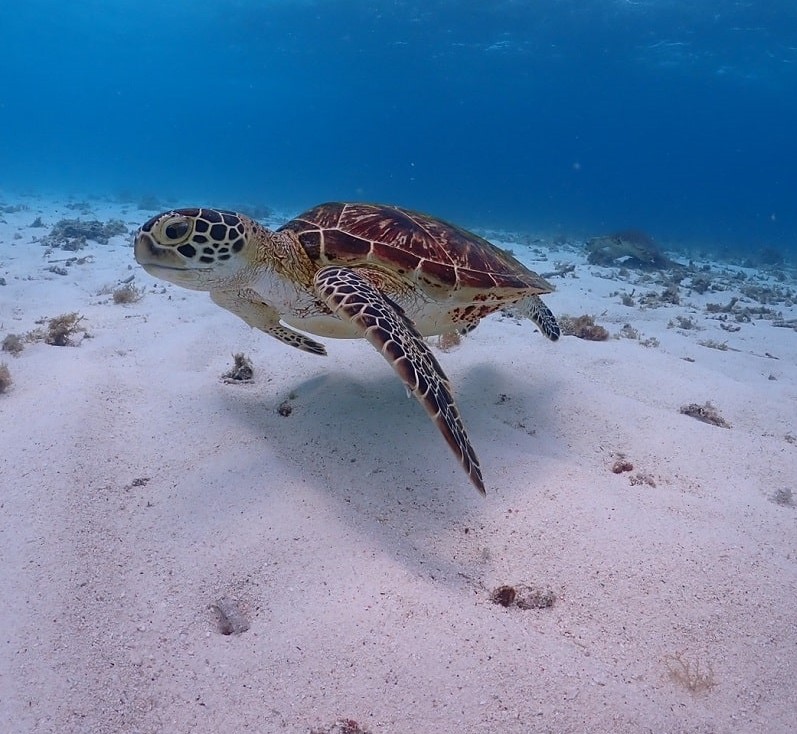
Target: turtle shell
(411, 244)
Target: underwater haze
(673, 116)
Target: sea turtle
(347, 270)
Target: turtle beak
(153, 257)
(165, 264)
(144, 249)
(159, 262)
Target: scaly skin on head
(209, 249)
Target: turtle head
(195, 248)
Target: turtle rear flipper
(351, 295)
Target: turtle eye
(175, 229)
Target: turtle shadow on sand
(376, 272)
(408, 498)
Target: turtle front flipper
(247, 305)
(351, 295)
(533, 308)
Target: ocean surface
(581, 116)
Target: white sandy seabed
(141, 492)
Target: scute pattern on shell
(406, 241)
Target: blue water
(678, 117)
